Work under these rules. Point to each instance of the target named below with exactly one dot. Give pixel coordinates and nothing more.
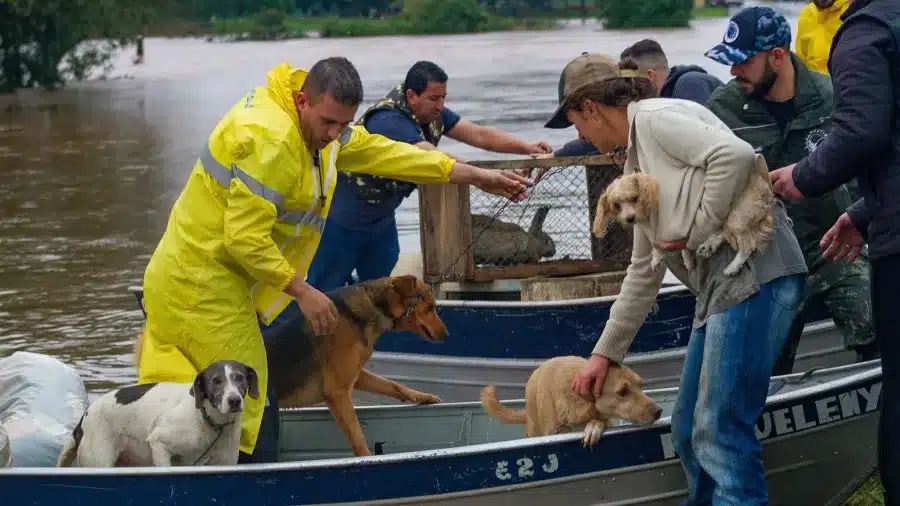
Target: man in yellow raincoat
(244, 230)
(818, 23)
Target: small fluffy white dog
(164, 424)
(634, 198)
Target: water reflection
(89, 173)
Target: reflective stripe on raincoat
(815, 30)
(249, 219)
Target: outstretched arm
(374, 154)
(493, 139)
(861, 118)
(639, 290)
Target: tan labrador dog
(551, 407)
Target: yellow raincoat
(248, 220)
(815, 30)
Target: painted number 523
(525, 467)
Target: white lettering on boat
(525, 464)
(552, 464)
(502, 471)
(795, 418)
(525, 467)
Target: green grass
(870, 493)
(710, 12)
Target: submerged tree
(45, 42)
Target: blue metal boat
(819, 433)
(502, 342)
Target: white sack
(41, 401)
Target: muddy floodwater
(89, 173)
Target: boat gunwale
(644, 357)
(870, 371)
(517, 304)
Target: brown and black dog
(306, 369)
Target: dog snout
(234, 403)
(630, 219)
(657, 413)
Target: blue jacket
(864, 142)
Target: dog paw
(423, 398)
(593, 431)
(709, 247)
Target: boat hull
(461, 379)
(545, 329)
(818, 438)
(501, 343)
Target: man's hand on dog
(315, 305)
(783, 182)
(589, 382)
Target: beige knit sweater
(701, 167)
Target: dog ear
(396, 293)
(600, 217)
(252, 382)
(648, 191)
(405, 285)
(198, 390)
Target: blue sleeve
(578, 147)
(861, 117)
(861, 216)
(394, 125)
(450, 119)
(695, 86)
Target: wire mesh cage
(470, 235)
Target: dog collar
(218, 426)
(407, 314)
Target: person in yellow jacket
(241, 235)
(818, 23)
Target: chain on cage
(553, 223)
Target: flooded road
(89, 173)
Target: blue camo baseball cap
(751, 31)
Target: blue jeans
(372, 253)
(723, 392)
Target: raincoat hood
(283, 81)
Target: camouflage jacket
(807, 128)
(375, 189)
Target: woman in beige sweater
(741, 321)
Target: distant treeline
(44, 43)
(203, 10)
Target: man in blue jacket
(361, 231)
(864, 144)
(689, 82)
